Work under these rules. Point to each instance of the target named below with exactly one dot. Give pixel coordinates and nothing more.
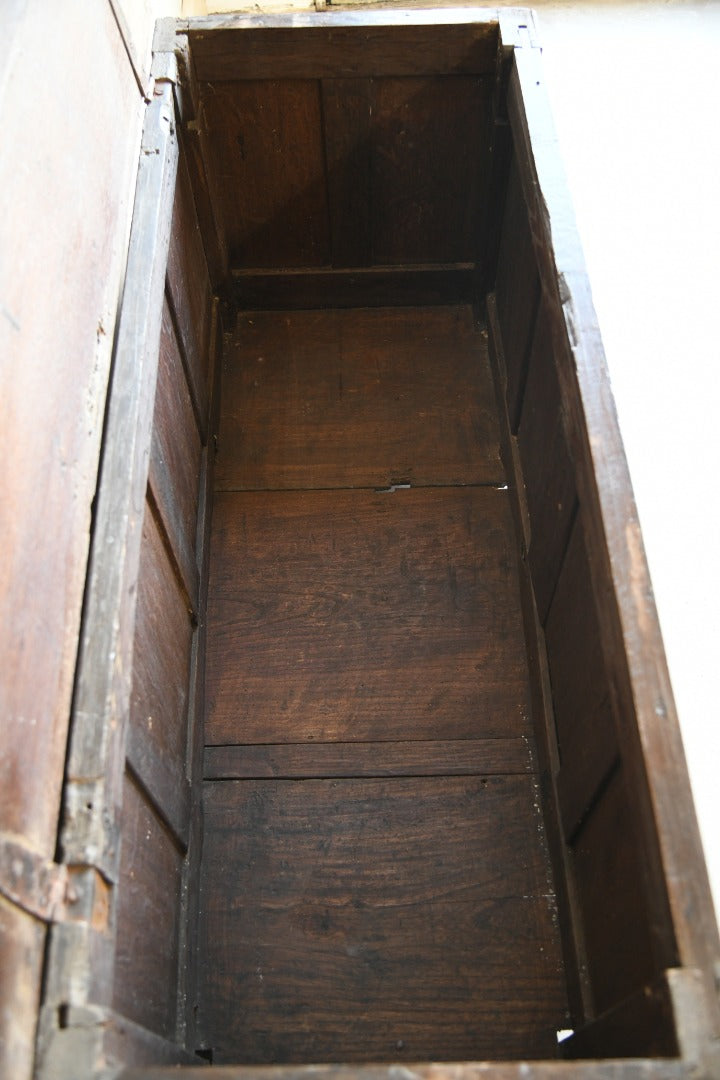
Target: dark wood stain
(517, 289)
(147, 918)
(174, 474)
(343, 597)
(547, 466)
(188, 288)
(612, 893)
(365, 398)
(357, 900)
(347, 46)
(426, 176)
(303, 761)
(266, 141)
(161, 662)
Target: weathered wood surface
(56, 351)
(347, 126)
(548, 472)
(188, 956)
(358, 398)
(358, 899)
(342, 45)
(638, 1069)
(613, 899)
(147, 915)
(366, 173)
(581, 684)
(427, 172)
(517, 290)
(303, 761)
(188, 288)
(174, 473)
(97, 745)
(670, 860)
(344, 597)
(161, 665)
(266, 141)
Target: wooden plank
(612, 894)
(517, 291)
(346, 114)
(545, 738)
(97, 745)
(643, 1023)
(22, 941)
(147, 918)
(174, 473)
(52, 409)
(429, 169)
(188, 287)
(356, 616)
(161, 672)
(344, 921)
(468, 757)
(358, 398)
(345, 44)
(582, 690)
(548, 472)
(267, 154)
(360, 287)
(639, 1069)
(188, 954)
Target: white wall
(635, 91)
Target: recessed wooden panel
(377, 920)
(267, 147)
(175, 456)
(360, 616)
(427, 180)
(547, 466)
(148, 903)
(189, 291)
(347, 118)
(344, 45)
(517, 289)
(161, 672)
(617, 932)
(584, 716)
(358, 398)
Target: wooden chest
(374, 758)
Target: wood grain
(347, 119)
(358, 899)
(582, 692)
(174, 473)
(404, 286)
(161, 671)
(188, 287)
(342, 45)
(517, 289)
(147, 918)
(427, 173)
(358, 398)
(361, 616)
(548, 471)
(267, 152)
(612, 892)
(303, 761)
